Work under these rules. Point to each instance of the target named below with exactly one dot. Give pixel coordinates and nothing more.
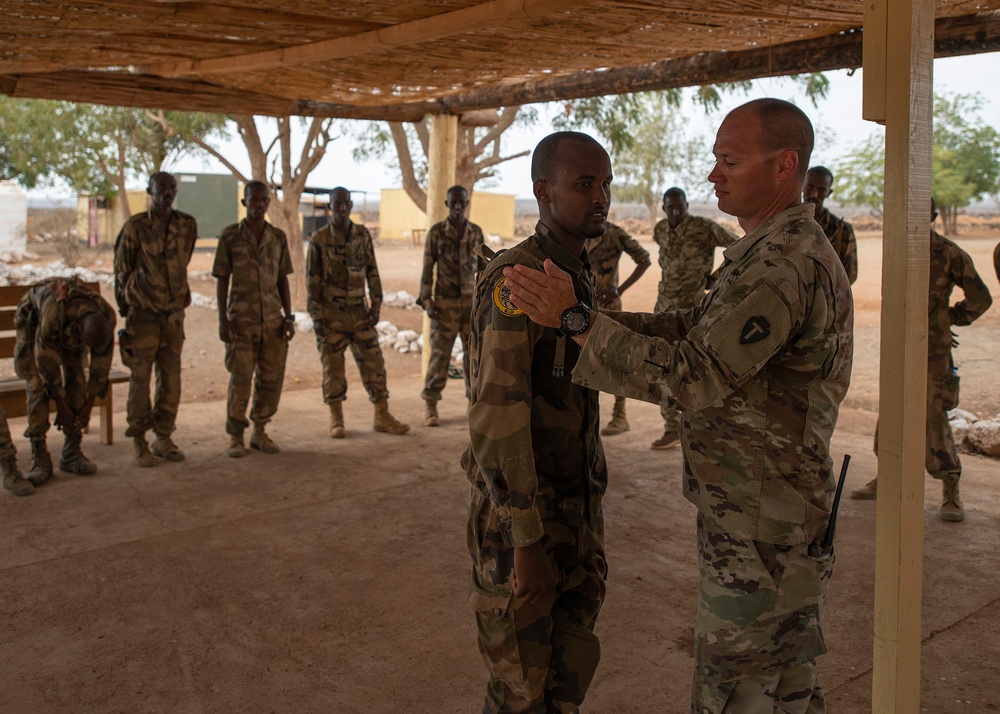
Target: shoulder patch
(750, 332)
(501, 299)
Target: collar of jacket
(559, 255)
(740, 248)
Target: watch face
(576, 321)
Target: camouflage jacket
(150, 267)
(758, 370)
(338, 267)
(456, 262)
(950, 267)
(687, 253)
(51, 310)
(534, 448)
(605, 254)
(841, 235)
(254, 270)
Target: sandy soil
(332, 577)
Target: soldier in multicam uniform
(152, 253)
(759, 370)
(816, 190)
(446, 294)
(255, 318)
(950, 267)
(536, 529)
(58, 322)
(687, 252)
(605, 254)
(339, 263)
(13, 479)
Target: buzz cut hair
(335, 190)
(821, 170)
(675, 191)
(544, 155)
(250, 185)
(455, 188)
(784, 126)
(156, 176)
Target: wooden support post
(441, 160)
(907, 57)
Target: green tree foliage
(859, 178)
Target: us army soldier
(817, 188)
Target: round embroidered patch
(501, 298)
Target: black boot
(41, 463)
(72, 459)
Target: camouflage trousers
(757, 631)
(455, 321)
(7, 450)
(74, 369)
(349, 326)
(258, 353)
(541, 657)
(151, 340)
(940, 454)
(671, 416)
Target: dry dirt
(332, 577)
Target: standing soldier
(339, 263)
(59, 321)
(255, 317)
(817, 188)
(950, 266)
(151, 258)
(605, 254)
(687, 253)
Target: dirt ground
(332, 577)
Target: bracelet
(289, 319)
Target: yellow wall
(398, 216)
(108, 220)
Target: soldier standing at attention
(255, 318)
(816, 190)
(339, 263)
(759, 370)
(687, 253)
(152, 253)
(605, 254)
(536, 529)
(950, 267)
(59, 322)
(447, 298)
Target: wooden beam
(477, 17)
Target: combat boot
(618, 424)
(668, 440)
(261, 441)
(431, 415)
(235, 448)
(72, 460)
(337, 420)
(386, 422)
(140, 448)
(13, 481)
(164, 447)
(867, 492)
(41, 463)
(951, 507)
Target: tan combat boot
(164, 447)
(867, 492)
(386, 422)
(337, 420)
(431, 415)
(618, 423)
(140, 448)
(72, 459)
(951, 507)
(13, 481)
(261, 441)
(235, 448)
(667, 441)
(41, 463)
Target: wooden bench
(13, 391)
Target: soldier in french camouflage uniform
(13, 479)
(339, 263)
(605, 255)
(687, 253)
(446, 293)
(759, 369)
(950, 267)
(816, 190)
(152, 253)
(59, 323)
(535, 460)
(255, 318)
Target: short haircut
(821, 170)
(672, 192)
(454, 188)
(154, 177)
(544, 155)
(339, 188)
(254, 184)
(784, 126)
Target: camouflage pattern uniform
(759, 369)
(841, 235)
(538, 474)
(13, 479)
(451, 291)
(151, 290)
(257, 318)
(687, 254)
(49, 354)
(605, 255)
(337, 269)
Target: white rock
(960, 431)
(962, 414)
(303, 322)
(984, 435)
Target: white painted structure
(13, 218)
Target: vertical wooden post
(908, 54)
(441, 159)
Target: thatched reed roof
(380, 59)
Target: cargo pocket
(125, 347)
(497, 633)
(949, 390)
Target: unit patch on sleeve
(501, 299)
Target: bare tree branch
(410, 184)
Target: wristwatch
(575, 320)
